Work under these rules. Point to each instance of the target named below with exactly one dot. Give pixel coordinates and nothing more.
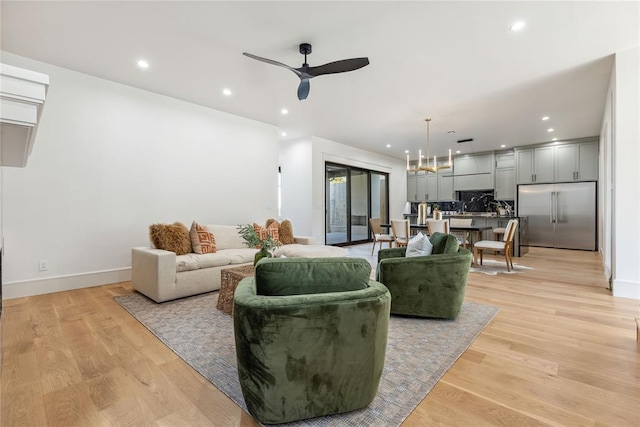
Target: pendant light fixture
(429, 168)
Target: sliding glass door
(353, 195)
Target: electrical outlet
(43, 265)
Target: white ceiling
(456, 62)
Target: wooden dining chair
(378, 235)
(462, 236)
(400, 229)
(437, 226)
(506, 244)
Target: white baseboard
(27, 288)
(625, 289)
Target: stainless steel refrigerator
(560, 215)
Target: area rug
(492, 268)
(419, 352)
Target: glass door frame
(349, 169)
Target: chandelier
(429, 168)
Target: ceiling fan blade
(272, 62)
(303, 89)
(338, 66)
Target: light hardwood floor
(561, 351)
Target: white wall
(626, 175)
(295, 164)
(325, 150)
(108, 161)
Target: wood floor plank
(561, 351)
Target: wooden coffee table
(230, 277)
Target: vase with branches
(252, 240)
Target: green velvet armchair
(426, 286)
(311, 336)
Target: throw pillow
(202, 241)
(285, 231)
(171, 237)
(419, 245)
(263, 232)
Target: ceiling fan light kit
(306, 73)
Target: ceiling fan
(306, 72)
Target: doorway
(352, 196)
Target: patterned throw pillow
(171, 237)
(271, 230)
(203, 241)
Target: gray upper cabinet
(473, 172)
(562, 163)
(412, 189)
(445, 187)
(505, 184)
(535, 165)
(577, 162)
(470, 165)
(431, 193)
(422, 187)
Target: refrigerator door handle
(551, 207)
(555, 208)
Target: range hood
(22, 95)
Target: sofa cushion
(226, 236)
(240, 256)
(296, 276)
(171, 237)
(202, 240)
(309, 251)
(197, 261)
(444, 243)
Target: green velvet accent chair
(426, 286)
(311, 337)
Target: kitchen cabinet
(577, 162)
(562, 163)
(445, 187)
(471, 165)
(505, 184)
(535, 165)
(431, 192)
(473, 172)
(422, 187)
(412, 189)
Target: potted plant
(252, 240)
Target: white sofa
(163, 276)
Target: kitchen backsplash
(474, 201)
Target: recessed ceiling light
(554, 139)
(406, 151)
(517, 26)
(283, 134)
(457, 151)
(284, 111)
(388, 145)
(143, 64)
(550, 130)
(545, 118)
(226, 92)
(502, 146)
